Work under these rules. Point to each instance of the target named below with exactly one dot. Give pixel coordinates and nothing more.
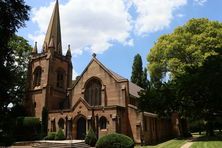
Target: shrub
(6, 139)
(196, 126)
(50, 136)
(91, 138)
(60, 135)
(28, 121)
(27, 128)
(114, 141)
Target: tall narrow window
(37, 76)
(61, 123)
(103, 122)
(60, 78)
(93, 92)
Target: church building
(99, 98)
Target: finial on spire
(94, 55)
(34, 50)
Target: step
(62, 145)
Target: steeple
(34, 50)
(68, 53)
(54, 31)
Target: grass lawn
(175, 143)
(207, 144)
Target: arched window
(37, 76)
(60, 78)
(61, 123)
(53, 126)
(102, 122)
(93, 92)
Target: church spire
(54, 32)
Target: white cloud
(95, 25)
(180, 15)
(155, 15)
(200, 2)
(87, 24)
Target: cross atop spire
(54, 31)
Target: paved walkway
(187, 145)
(189, 142)
(60, 141)
(28, 144)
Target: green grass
(201, 142)
(207, 144)
(175, 143)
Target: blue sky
(114, 29)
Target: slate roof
(133, 88)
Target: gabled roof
(133, 88)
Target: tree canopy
(137, 70)
(199, 90)
(139, 76)
(192, 55)
(189, 45)
(21, 54)
(13, 16)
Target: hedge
(50, 136)
(28, 128)
(60, 135)
(115, 140)
(91, 138)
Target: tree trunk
(209, 128)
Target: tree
(44, 125)
(199, 89)
(145, 81)
(16, 86)
(160, 100)
(21, 55)
(137, 71)
(187, 46)
(13, 15)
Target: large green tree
(191, 55)
(189, 45)
(16, 88)
(199, 91)
(21, 55)
(13, 14)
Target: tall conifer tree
(137, 70)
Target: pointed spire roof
(68, 53)
(34, 50)
(54, 30)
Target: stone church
(99, 98)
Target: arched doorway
(81, 128)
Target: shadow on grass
(216, 137)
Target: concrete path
(189, 142)
(20, 147)
(187, 145)
(60, 141)
(29, 144)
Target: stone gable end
(110, 86)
